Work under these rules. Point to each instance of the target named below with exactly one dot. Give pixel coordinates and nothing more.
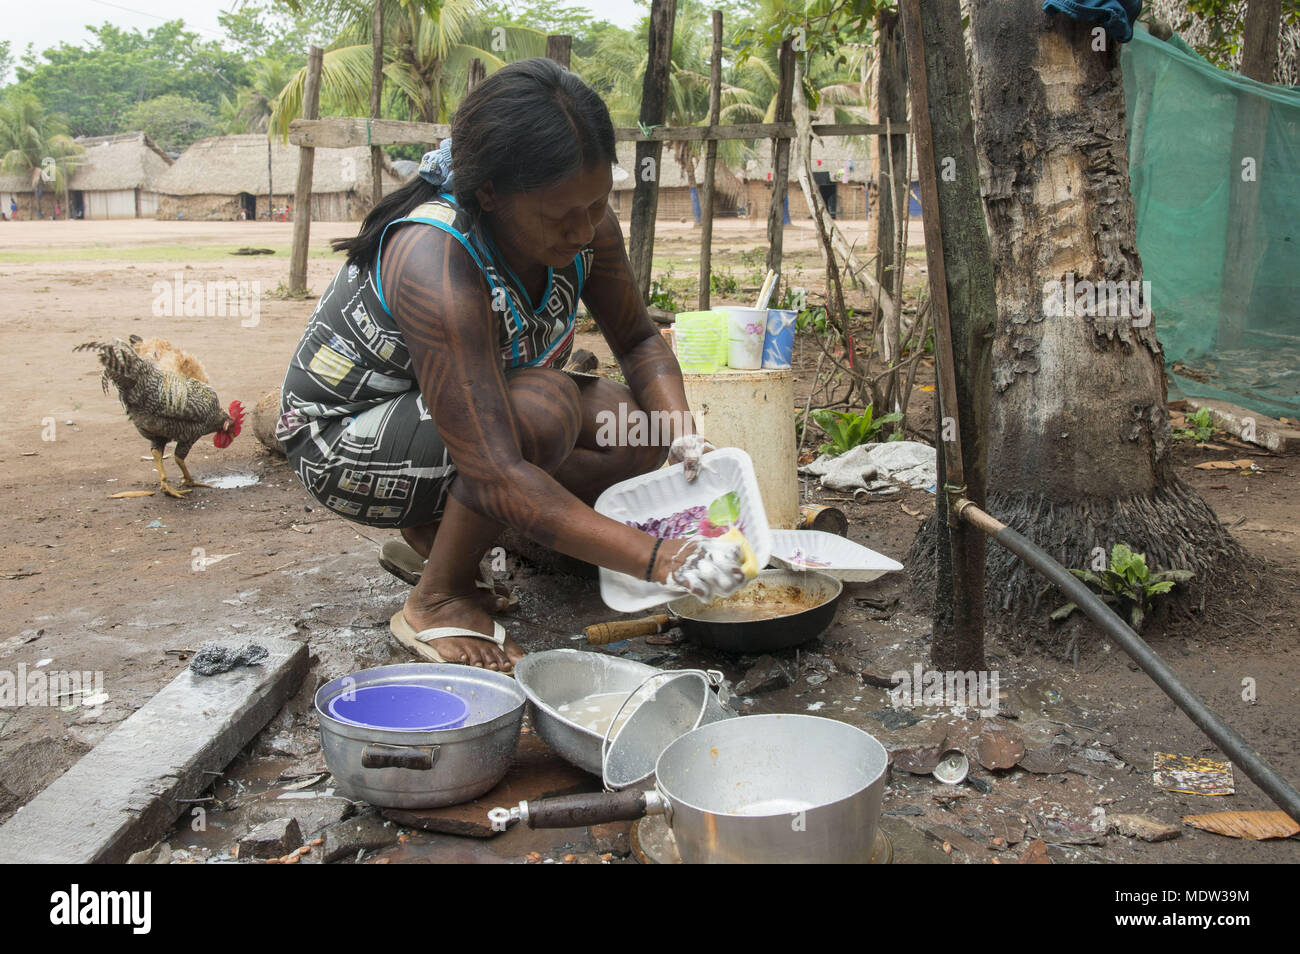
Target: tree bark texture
(1078, 430)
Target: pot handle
(602, 634)
(591, 808)
(379, 755)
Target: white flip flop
(421, 642)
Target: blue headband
(435, 167)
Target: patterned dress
(356, 428)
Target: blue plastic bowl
(404, 707)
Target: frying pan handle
(602, 634)
(592, 808)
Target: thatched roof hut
(227, 177)
(675, 184)
(115, 177)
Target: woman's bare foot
(420, 539)
(465, 611)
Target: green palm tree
(427, 49)
(35, 144)
(251, 108)
(616, 69)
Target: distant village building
(227, 178)
(114, 177)
(842, 171)
(675, 201)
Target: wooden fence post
(558, 48)
(376, 99)
(964, 307)
(649, 153)
(477, 73)
(710, 165)
(306, 163)
(780, 165)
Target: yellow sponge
(751, 559)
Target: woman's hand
(705, 567)
(688, 448)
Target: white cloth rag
(873, 466)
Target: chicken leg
(167, 488)
(188, 479)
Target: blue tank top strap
(442, 225)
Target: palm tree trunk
(1078, 428)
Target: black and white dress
(352, 418)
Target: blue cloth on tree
(1117, 16)
(435, 167)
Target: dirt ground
(123, 586)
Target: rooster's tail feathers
(121, 363)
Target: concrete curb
(128, 790)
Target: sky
(47, 25)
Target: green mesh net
(1214, 160)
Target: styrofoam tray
(666, 491)
(831, 554)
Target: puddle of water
(232, 481)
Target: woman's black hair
(528, 125)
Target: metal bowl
(424, 769)
(558, 676)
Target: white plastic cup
(745, 330)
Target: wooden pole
(477, 73)
(964, 307)
(891, 161)
(306, 165)
(710, 165)
(780, 165)
(270, 186)
(654, 104)
(558, 48)
(376, 99)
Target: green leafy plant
(1128, 583)
(723, 284)
(847, 430)
(1201, 427)
(811, 320)
(662, 294)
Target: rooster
(166, 405)
(169, 357)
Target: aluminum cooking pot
(395, 768)
(764, 789)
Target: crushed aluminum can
(952, 767)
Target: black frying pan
(805, 600)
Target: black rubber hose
(1221, 734)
